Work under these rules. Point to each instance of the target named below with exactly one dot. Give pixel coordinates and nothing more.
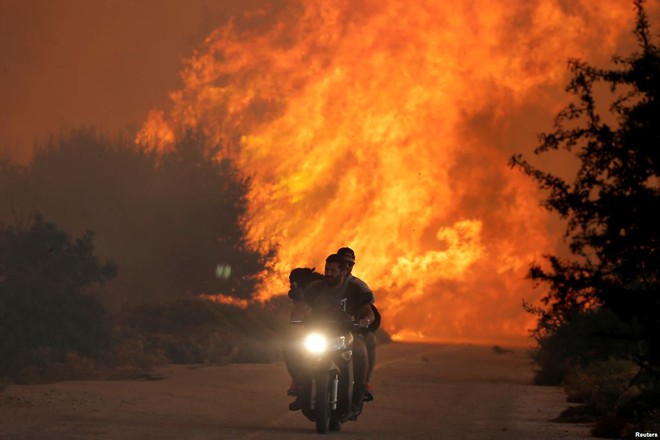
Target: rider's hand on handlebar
(364, 322)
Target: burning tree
(604, 302)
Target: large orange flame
(362, 124)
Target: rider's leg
(370, 342)
(360, 369)
(292, 350)
(292, 354)
(292, 361)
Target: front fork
(333, 388)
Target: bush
(641, 411)
(613, 395)
(130, 352)
(599, 388)
(45, 315)
(200, 331)
(584, 338)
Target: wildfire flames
(382, 125)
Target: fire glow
(365, 124)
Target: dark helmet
(348, 254)
(299, 279)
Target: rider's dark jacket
(347, 297)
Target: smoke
(105, 63)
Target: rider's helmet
(348, 255)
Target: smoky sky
(101, 63)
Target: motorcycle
(326, 393)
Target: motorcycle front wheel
(322, 404)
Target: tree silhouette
(611, 208)
(168, 220)
(44, 310)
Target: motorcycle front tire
(322, 404)
(335, 425)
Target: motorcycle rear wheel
(322, 404)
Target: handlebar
(347, 323)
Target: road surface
(423, 391)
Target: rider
(335, 294)
(349, 256)
(369, 337)
(299, 279)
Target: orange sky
(103, 63)
(373, 124)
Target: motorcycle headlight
(338, 343)
(316, 343)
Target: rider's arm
(365, 315)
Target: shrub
(45, 315)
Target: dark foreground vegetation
(53, 328)
(121, 299)
(599, 327)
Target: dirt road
(423, 392)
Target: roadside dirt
(422, 392)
